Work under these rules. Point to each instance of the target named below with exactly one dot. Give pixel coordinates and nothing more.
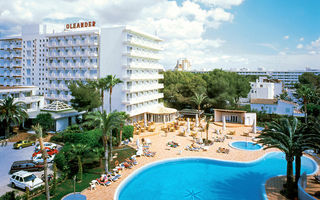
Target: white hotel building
(288, 78)
(51, 60)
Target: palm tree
(207, 128)
(198, 99)
(308, 137)
(101, 84)
(124, 118)
(113, 81)
(107, 123)
(79, 150)
(281, 135)
(11, 112)
(38, 129)
(306, 93)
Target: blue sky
(273, 34)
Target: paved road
(7, 156)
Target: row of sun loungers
(107, 179)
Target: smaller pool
(74, 196)
(243, 145)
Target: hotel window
(28, 44)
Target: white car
(38, 158)
(23, 180)
(46, 144)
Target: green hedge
(91, 138)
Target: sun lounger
(317, 178)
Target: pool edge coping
(264, 194)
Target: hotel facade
(51, 60)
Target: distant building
(288, 78)
(183, 64)
(265, 88)
(26, 94)
(275, 106)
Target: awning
(161, 110)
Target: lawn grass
(88, 175)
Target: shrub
(90, 138)
(8, 196)
(127, 132)
(45, 120)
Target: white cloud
(282, 53)
(286, 37)
(299, 46)
(316, 44)
(221, 3)
(301, 39)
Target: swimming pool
(205, 179)
(244, 145)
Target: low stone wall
(302, 194)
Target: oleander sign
(81, 25)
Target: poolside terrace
(160, 136)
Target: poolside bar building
(240, 117)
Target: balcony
(142, 65)
(143, 87)
(142, 54)
(143, 76)
(142, 98)
(144, 44)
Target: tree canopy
(85, 96)
(223, 88)
(45, 120)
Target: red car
(49, 151)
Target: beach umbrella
(224, 123)
(197, 120)
(188, 126)
(145, 119)
(254, 127)
(138, 142)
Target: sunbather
(103, 180)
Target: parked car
(38, 158)
(49, 151)
(26, 165)
(46, 144)
(23, 143)
(23, 180)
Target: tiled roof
(264, 101)
(231, 111)
(289, 102)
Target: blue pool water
(205, 179)
(243, 145)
